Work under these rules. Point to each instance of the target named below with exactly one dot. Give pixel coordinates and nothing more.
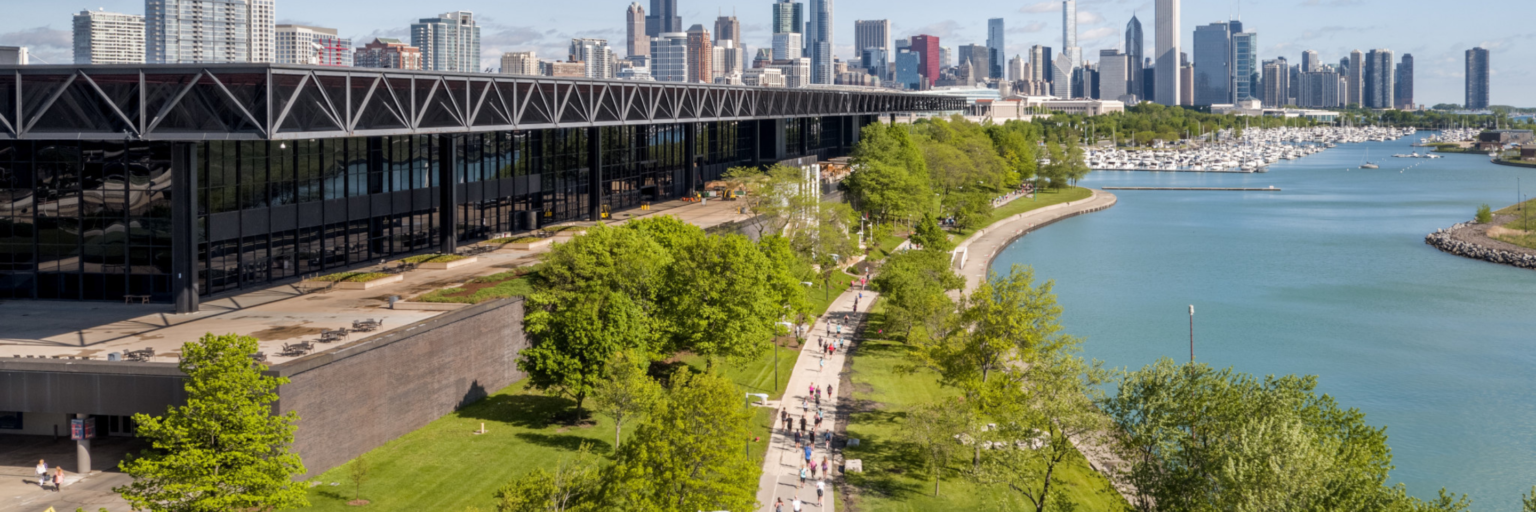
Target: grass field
(1525, 220)
(1024, 204)
(893, 479)
(884, 246)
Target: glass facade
(92, 220)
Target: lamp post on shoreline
(1191, 334)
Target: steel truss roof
(254, 102)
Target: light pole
(1191, 334)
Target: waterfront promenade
(973, 257)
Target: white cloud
(1041, 7)
(44, 44)
(1032, 27)
(1097, 34)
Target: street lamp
(1191, 333)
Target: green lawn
(884, 246)
(892, 478)
(757, 376)
(1024, 204)
(822, 293)
(445, 466)
(1525, 220)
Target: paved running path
(985, 244)
(781, 466)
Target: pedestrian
(802, 422)
(826, 436)
(818, 400)
(813, 470)
(807, 454)
(803, 473)
(821, 485)
(829, 390)
(823, 364)
(778, 505)
(796, 503)
(58, 479)
(42, 474)
(824, 465)
(797, 438)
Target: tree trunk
(618, 426)
(1045, 490)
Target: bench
(139, 356)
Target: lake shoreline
(1471, 240)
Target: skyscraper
(1016, 68)
(908, 68)
(1213, 64)
(108, 38)
(449, 42)
(1245, 67)
(728, 28)
(391, 53)
(927, 49)
(729, 61)
(208, 31)
(524, 63)
(819, 41)
(977, 58)
(1354, 80)
(788, 29)
(595, 55)
(669, 57)
(1309, 62)
(1277, 78)
(1134, 41)
(996, 50)
(872, 34)
(875, 62)
(1404, 81)
(663, 18)
(700, 55)
(1040, 65)
(636, 42)
(316, 46)
(1113, 81)
(1168, 52)
(1070, 59)
(1379, 75)
(1319, 89)
(1477, 78)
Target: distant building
(1309, 62)
(636, 41)
(1319, 89)
(1084, 107)
(663, 19)
(909, 69)
(818, 41)
(1213, 64)
(1167, 55)
(519, 63)
(1186, 85)
(1114, 82)
(1379, 75)
(874, 62)
(388, 53)
(873, 34)
(13, 55)
(108, 38)
(700, 54)
(728, 62)
(565, 69)
(1277, 84)
(1477, 78)
(997, 51)
(728, 28)
(788, 30)
(669, 57)
(1354, 79)
(927, 49)
(316, 46)
(449, 42)
(1404, 82)
(797, 72)
(763, 77)
(979, 58)
(1134, 52)
(595, 54)
(1246, 72)
(208, 31)
(1040, 65)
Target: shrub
(433, 258)
(351, 277)
(1484, 214)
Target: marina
(1253, 152)
(1229, 189)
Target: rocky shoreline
(1470, 240)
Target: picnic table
(297, 349)
(139, 355)
(130, 299)
(367, 325)
(327, 336)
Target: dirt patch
(286, 332)
(357, 503)
(150, 337)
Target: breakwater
(1228, 189)
(1448, 241)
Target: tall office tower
(1186, 84)
(1168, 52)
(1293, 88)
(728, 61)
(108, 38)
(1309, 62)
(208, 31)
(1343, 66)
(1040, 66)
(927, 49)
(788, 29)
(594, 55)
(1068, 83)
(390, 53)
(13, 55)
(1213, 64)
(909, 68)
(636, 42)
(978, 57)
(1319, 89)
(1245, 67)
(700, 53)
(997, 52)
(1379, 75)
(819, 42)
(1016, 69)
(1113, 81)
(1134, 41)
(872, 34)
(728, 28)
(1276, 83)
(1355, 79)
(1477, 78)
(317, 46)
(945, 54)
(875, 62)
(1404, 81)
(669, 57)
(663, 18)
(449, 42)
(521, 63)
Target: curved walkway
(980, 249)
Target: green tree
(1528, 501)
(626, 392)
(595, 295)
(890, 177)
(224, 449)
(832, 233)
(914, 286)
(929, 235)
(357, 472)
(688, 455)
(669, 232)
(787, 271)
(1484, 214)
(933, 428)
(719, 299)
(1050, 411)
(575, 485)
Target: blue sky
(1436, 32)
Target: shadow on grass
(564, 441)
(893, 468)
(521, 410)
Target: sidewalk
(981, 247)
(781, 465)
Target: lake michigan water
(1329, 277)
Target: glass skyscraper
(1245, 66)
(997, 51)
(1213, 64)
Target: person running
(822, 363)
(797, 503)
(778, 505)
(824, 465)
(42, 474)
(804, 472)
(821, 485)
(813, 471)
(802, 422)
(807, 454)
(829, 391)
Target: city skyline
(1439, 67)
